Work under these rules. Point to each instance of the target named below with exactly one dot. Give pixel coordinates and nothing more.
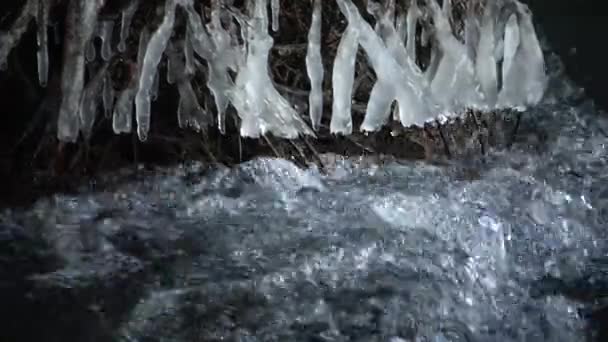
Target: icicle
(9, 39)
(402, 27)
(343, 79)
(201, 42)
(80, 23)
(259, 105)
(276, 9)
(379, 105)
(125, 24)
(485, 61)
(471, 32)
(107, 96)
(123, 109)
(314, 67)
(154, 52)
(90, 99)
(188, 54)
(106, 30)
(524, 78)
(455, 85)
(42, 39)
(413, 13)
(225, 57)
(408, 84)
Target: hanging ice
(125, 24)
(260, 106)
(188, 54)
(154, 52)
(123, 109)
(413, 14)
(343, 78)
(486, 66)
(454, 85)
(105, 33)
(524, 78)
(275, 6)
(472, 30)
(225, 58)
(42, 39)
(215, 47)
(406, 85)
(80, 23)
(314, 67)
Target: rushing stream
(511, 247)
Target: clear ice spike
(125, 24)
(314, 67)
(106, 30)
(485, 62)
(259, 105)
(154, 51)
(343, 78)
(122, 117)
(80, 23)
(42, 39)
(378, 107)
(524, 78)
(275, 6)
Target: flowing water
(508, 248)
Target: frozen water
(496, 250)
(314, 67)
(42, 40)
(81, 22)
(343, 79)
(125, 24)
(149, 67)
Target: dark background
(577, 31)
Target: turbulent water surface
(508, 248)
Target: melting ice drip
(499, 65)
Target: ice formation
(42, 39)
(493, 60)
(314, 67)
(80, 24)
(261, 108)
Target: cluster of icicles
(499, 64)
